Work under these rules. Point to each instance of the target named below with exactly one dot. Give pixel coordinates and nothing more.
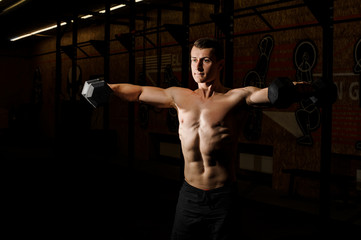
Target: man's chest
(207, 114)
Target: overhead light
(13, 6)
(36, 32)
(113, 8)
(63, 23)
(118, 6)
(86, 16)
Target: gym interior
(72, 170)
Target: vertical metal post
(58, 77)
(144, 64)
(74, 58)
(326, 133)
(106, 59)
(159, 46)
(359, 92)
(185, 46)
(131, 117)
(216, 10)
(229, 12)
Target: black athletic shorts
(206, 214)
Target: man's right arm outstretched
(158, 97)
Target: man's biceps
(154, 95)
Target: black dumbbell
(96, 92)
(282, 92)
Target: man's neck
(207, 90)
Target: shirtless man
(209, 126)
(210, 120)
(209, 117)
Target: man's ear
(221, 64)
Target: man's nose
(199, 66)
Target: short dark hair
(213, 43)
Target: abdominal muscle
(209, 158)
(206, 177)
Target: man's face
(204, 66)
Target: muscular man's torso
(209, 130)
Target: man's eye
(206, 60)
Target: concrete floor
(47, 198)
(47, 201)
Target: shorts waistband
(228, 186)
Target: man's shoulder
(237, 92)
(236, 96)
(181, 95)
(180, 90)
